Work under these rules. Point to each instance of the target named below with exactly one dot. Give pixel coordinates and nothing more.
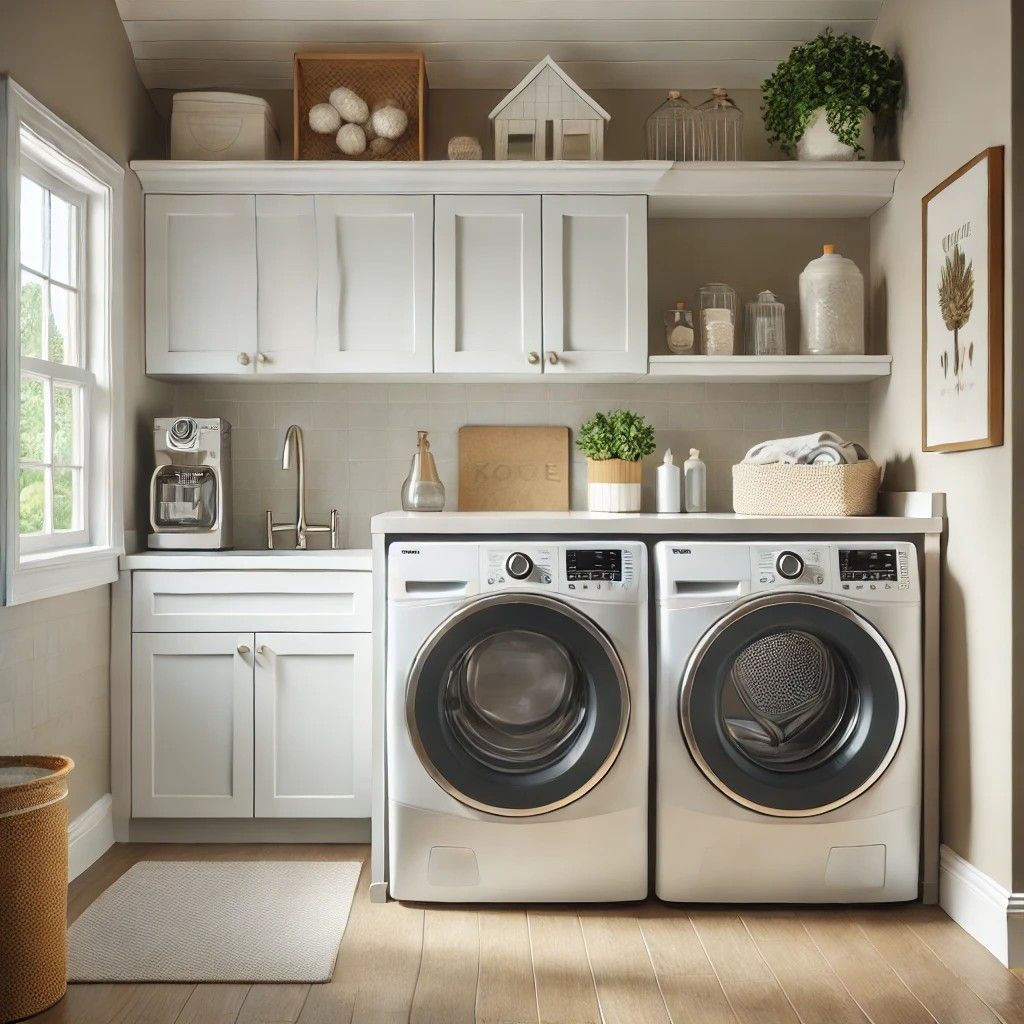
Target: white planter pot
(819, 142)
(613, 486)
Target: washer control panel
(797, 565)
(874, 569)
(529, 565)
(596, 571)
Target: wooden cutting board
(514, 469)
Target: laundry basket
(33, 883)
(782, 489)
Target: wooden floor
(568, 965)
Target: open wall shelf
(771, 369)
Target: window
(60, 355)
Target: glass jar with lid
(717, 319)
(766, 326)
(721, 127)
(831, 306)
(674, 130)
(680, 336)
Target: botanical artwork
(962, 293)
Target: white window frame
(32, 138)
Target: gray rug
(248, 921)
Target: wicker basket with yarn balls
(356, 129)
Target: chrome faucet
(295, 450)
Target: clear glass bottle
(766, 326)
(721, 127)
(680, 336)
(717, 319)
(831, 306)
(674, 130)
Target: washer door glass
(792, 704)
(517, 704)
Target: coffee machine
(190, 492)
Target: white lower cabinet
(192, 725)
(312, 725)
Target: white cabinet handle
(243, 648)
(243, 358)
(553, 358)
(261, 357)
(533, 358)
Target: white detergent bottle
(695, 482)
(668, 484)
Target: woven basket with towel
(813, 475)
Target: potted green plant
(614, 444)
(824, 98)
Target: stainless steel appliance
(190, 492)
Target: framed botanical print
(962, 316)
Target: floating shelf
(748, 189)
(771, 369)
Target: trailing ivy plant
(844, 74)
(617, 435)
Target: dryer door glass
(518, 704)
(792, 704)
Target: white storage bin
(222, 126)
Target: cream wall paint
(73, 56)
(958, 102)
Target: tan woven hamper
(781, 489)
(33, 883)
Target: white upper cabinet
(374, 256)
(487, 285)
(286, 276)
(201, 284)
(595, 284)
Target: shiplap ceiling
(484, 44)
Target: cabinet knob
(533, 358)
(261, 357)
(243, 358)
(553, 358)
(263, 650)
(243, 648)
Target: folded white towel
(821, 448)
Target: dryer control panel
(596, 571)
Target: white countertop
(645, 523)
(350, 559)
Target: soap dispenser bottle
(423, 490)
(668, 485)
(695, 482)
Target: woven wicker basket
(781, 489)
(373, 77)
(33, 887)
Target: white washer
(517, 721)
(788, 717)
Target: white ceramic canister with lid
(831, 306)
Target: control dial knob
(789, 565)
(519, 566)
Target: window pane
(32, 501)
(63, 238)
(62, 323)
(33, 201)
(32, 441)
(67, 499)
(67, 417)
(520, 147)
(30, 314)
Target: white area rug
(254, 921)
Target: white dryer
(517, 721)
(788, 718)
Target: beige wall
(958, 102)
(73, 56)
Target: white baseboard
(986, 910)
(90, 835)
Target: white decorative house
(547, 116)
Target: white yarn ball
(349, 105)
(389, 122)
(324, 118)
(351, 140)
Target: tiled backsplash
(360, 437)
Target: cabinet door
(200, 284)
(286, 273)
(595, 284)
(487, 284)
(375, 284)
(312, 701)
(192, 725)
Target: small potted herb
(614, 445)
(823, 99)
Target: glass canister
(766, 326)
(674, 130)
(721, 127)
(679, 333)
(717, 319)
(831, 306)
